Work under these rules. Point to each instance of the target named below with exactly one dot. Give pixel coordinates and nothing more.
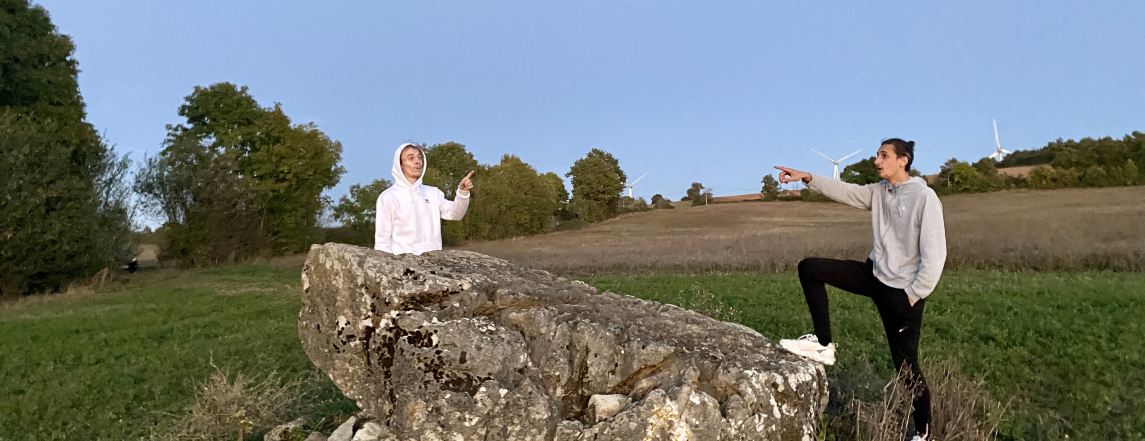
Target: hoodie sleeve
(858, 196)
(455, 209)
(931, 249)
(384, 225)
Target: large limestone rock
(455, 345)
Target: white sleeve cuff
(462, 193)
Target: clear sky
(708, 91)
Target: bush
(630, 205)
(965, 178)
(1048, 177)
(809, 195)
(664, 204)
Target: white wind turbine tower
(836, 176)
(997, 155)
(634, 183)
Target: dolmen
(456, 346)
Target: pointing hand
(466, 184)
(791, 175)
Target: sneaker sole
(814, 356)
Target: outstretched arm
(455, 209)
(858, 196)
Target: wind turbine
(836, 176)
(997, 155)
(634, 183)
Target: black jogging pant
(901, 321)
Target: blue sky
(712, 91)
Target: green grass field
(116, 365)
(1067, 348)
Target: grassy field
(1072, 229)
(121, 364)
(1062, 346)
(1066, 348)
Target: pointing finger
(470, 174)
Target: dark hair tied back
(902, 148)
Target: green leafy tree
(450, 162)
(515, 201)
(770, 189)
(698, 194)
(446, 165)
(234, 166)
(964, 178)
(986, 167)
(1096, 176)
(863, 172)
(596, 181)
(64, 212)
(558, 185)
(1047, 177)
(1130, 174)
(359, 209)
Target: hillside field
(1069, 229)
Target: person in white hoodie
(409, 214)
(904, 266)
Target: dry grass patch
(1102, 229)
(229, 407)
(961, 409)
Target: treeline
(1104, 162)
(510, 198)
(65, 211)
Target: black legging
(901, 321)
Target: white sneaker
(808, 346)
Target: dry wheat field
(1102, 229)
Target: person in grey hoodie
(903, 268)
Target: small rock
(344, 432)
(603, 407)
(280, 433)
(316, 436)
(372, 431)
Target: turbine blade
(1007, 152)
(999, 144)
(638, 179)
(848, 156)
(825, 156)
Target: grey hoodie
(906, 221)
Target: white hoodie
(409, 216)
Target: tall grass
(1041, 230)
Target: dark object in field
(460, 345)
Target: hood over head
(399, 177)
